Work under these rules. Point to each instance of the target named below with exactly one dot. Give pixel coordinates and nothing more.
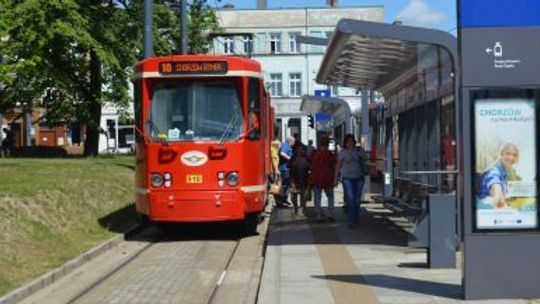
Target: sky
(438, 14)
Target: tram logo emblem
(193, 158)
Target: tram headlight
(156, 179)
(232, 178)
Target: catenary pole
(183, 28)
(148, 48)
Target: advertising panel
(505, 142)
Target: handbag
(364, 164)
(275, 186)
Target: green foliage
(47, 51)
(44, 53)
(203, 21)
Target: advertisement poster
(505, 141)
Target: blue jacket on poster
(494, 175)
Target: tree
(71, 56)
(202, 21)
(38, 48)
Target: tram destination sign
(193, 67)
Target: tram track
(193, 263)
(137, 232)
(221, 278)
(190, 266)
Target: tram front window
(195, 111)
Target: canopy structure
(370, 56)
(415, 71)
(338, 108)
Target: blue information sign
(323, 93)
(323, 117)
(499, 13)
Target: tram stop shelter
(414, 131)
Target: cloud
(419, 13)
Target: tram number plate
(194, 179)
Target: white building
(115, 137)
(290, 68)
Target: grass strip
(52, 210)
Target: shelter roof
(369, 55)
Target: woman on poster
(494, 181)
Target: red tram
(204, 126)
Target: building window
(275, 43)
(276, 85)
(316, 48)
(228, 46)
(295, 84)
(294, 47)
(248, 45)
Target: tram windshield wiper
(155, 129)
(228, 129)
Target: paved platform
(309, 262)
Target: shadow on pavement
(373, 229)
(179, 232)
(226, 231)
(121, 220)
(445, 290)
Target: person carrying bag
(275, 186)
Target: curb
(54, 275)
(256, 276)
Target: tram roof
(369, 55)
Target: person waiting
(350, 164)
(299, 176)
(323, 167)
(285, 154)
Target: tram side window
(254, 116)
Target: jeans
(317, 194)
(285, 184)
(353, 192)
(294, 198)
